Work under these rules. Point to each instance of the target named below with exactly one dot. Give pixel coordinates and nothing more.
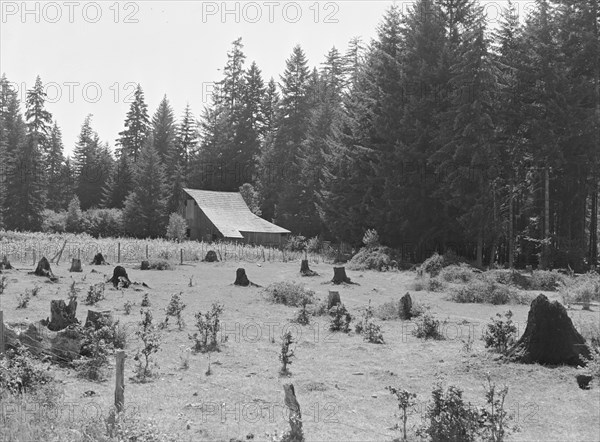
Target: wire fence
(30, 247)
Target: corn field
(28, 248)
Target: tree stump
(5, 264)
(76, 265)
(305, 270)
(550, 337)
(406, 306)
(241, 278)
(145, 265)
(98, 260)
(583, 380)
(60, 346)
(120, 276)
(43, 268)
(98, 319)
(211, 256)
(62, 315)
(333, 299)
(295, 415)
(339, 276)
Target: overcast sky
(90, 55)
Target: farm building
(224, 215)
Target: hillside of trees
(441, 133)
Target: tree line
(441, 133)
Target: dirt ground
(339, 379)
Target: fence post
(118, 253)
(181, 255)
(120, 381)
(1, 332)
(146, 250)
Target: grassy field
(339, 379)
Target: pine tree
(119, 182)
(55, 162)
(145, 210)
(137, 126)
(164, 129)
(39, 120)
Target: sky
(90, 55)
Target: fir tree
(137, 126)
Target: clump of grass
(20, 372)
(392, 310)
(23, 300)
(461, 273)
(583, 289)
(160, 264)
(289, 293)
(127, 307)
(545, 280)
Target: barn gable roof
(230, 214)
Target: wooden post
(120, 381)
(1, 332)
(33, 254)
(79, 254)
(146, 251)
(118, 253)
(181, 255)
(295, 416)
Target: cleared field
(339, 379)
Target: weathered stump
(339, 276)
(333, 299)
(98, 319)
(5, 264)
(583, 380)
(98, 260)
(145, 265)
(76, 265)
(406, 306)
(62, 315)
(241, 278)
(120, 276)
(60, 346)
(295, 415)
(43, 268)
(550, 337)
(305, 270)
(211, 256)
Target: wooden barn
(214, 215)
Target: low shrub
(582, 289)
(95, 294)
(432, 265)
(428, 328)
(54, 222)
(23, 299)
(177, 227)
(461, 273)
(545, 280)
(208, 325)
(302, 316)
(370, 331)
(314, 245)
(160, 264)
(500, 334)
(289, 293)
(487, 291)
(20, 372)
(392, 310)
(373, 258)
(175, 309)
(340, 318)
(296, 243)
(151, 342)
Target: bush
(151, 344)
(428, 328)
(289, 293)
(103, 222)
(208, 325)
(488, 291)
(20, 373)
(500, 334)
(392, 310)
(340, 318)
(545, 280)
(370, 331)
(461, 273)
(302, 316)
(450, 418)
(583, 289)
(177, 227)
(296, 243)
(373, 258)
(286, 354)
(432, 265)
(54, 222)
(95, 350)
(314, 245)
(371, 239)
(160, 264)
(175, 308)
(23, 300)
(94, 294)
(74, 221)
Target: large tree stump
(241, 278)
(406, 306)
(211, 256)
(5, 264)
(98, 260)
(76, 265)
(305, 270)
(550, 337)
(98, 319)
(145, 265)
(43, 268)
(62, 315)
(333, 299)
(120, 276)
(295, 415)
(339, 276)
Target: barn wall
(264, 239)
(201, 227)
